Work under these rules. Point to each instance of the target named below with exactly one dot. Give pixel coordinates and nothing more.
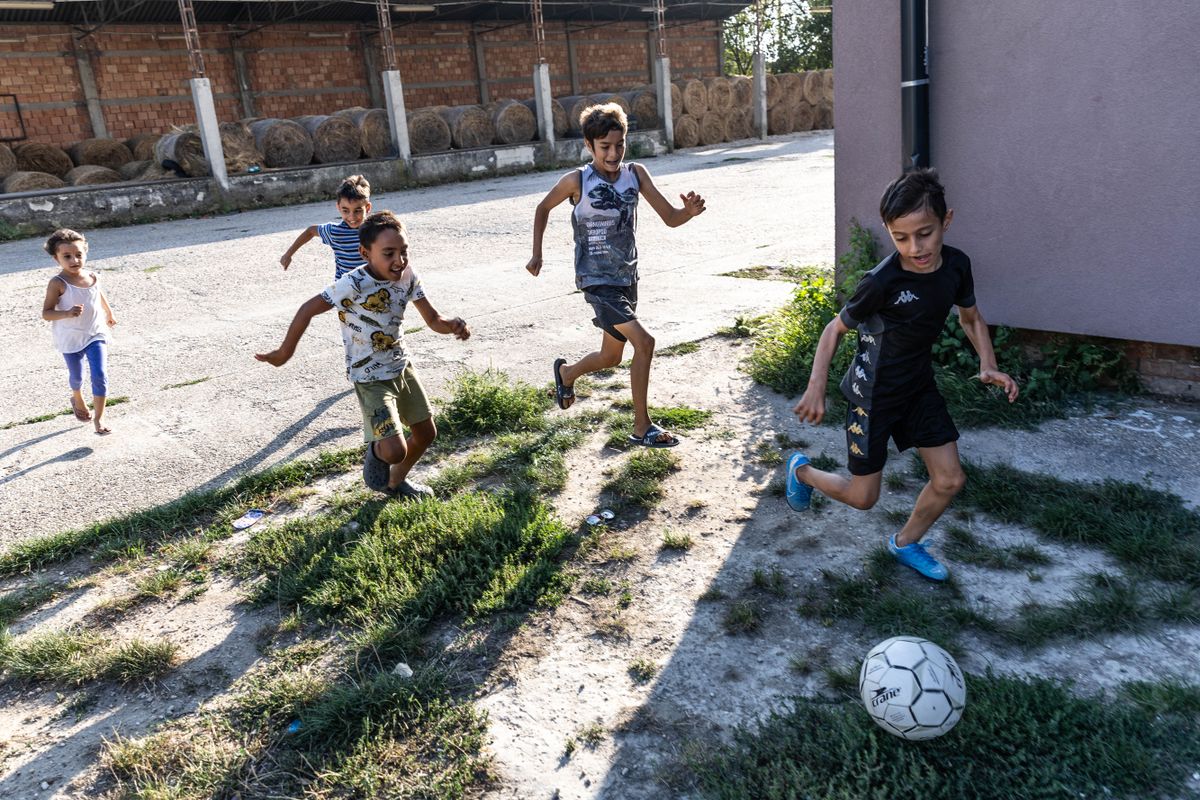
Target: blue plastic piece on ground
(295, 726)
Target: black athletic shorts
(614, 305)
(916, 420)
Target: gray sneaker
(410, 490)
(376, 471)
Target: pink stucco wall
(1068, 136)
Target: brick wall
(141, 71)
(1166, 369)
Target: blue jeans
(97, 358)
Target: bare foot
(102, 430)
(81, 410)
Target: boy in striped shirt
(354, 204)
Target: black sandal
(562, 393)
(652, 438)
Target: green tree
(793, 35)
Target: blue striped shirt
(344, 241)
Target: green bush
(490, 402)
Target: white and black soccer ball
(912, 688)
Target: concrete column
(87, 79)
(760, 95)
(371, 62)
(662, 84)
(393, 92)
(245, 91)
(572, 61)
(542, 101)
(210, 133)
(480, 67)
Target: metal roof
(89, 13)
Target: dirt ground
(567, 669)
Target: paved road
(195, 299)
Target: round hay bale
(824, 117)
(428, 132)
(606, 97)
(712, 128)
(827, 84)
(814, 87)
(774, 92)
(38, 157)
(26, 181)
(374, 130)
(792, 86)
(92, 174)
(142, 146)
(687, 131)
(574, 106)
(643, 108)
(150, 171)
(282, 142)
(240, 150)
(8, 162)
(101, 152)
(693, 96)
(470, 126)
(559, 114)
(720, 95)
(334, 138)
(737, 125)
(514, 123)
(134, 169)
(779, 120)
(185, 149)
(743, 91)
(803, 116)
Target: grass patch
(489, 402)
(1018, 738)
(767, 454)
(680, 349)
(679, 542)
(962, 545)
(642, 670)
(533, 460)
(784, 272)
(21, 601)
(66, 412)
(742, 616)
(77, 656)
(192, 382)
(596, 586)
(638, 482)
(743, 327)
(1164, 697)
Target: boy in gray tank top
(604, 195)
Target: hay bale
(693, 96)
(607, 97)
(712, 128)
(142, 146)
(687, 131)
(38, 157)
(8, 162)
(720, 95)
(738, 125)
(779, 120)
(100, 152)
(827, 84)
(26, 181)
(427, 132)
(334, 138)
(814, 87)
(557, 112)
(150, 171)
(470, 126)
(185, 149)
(643, 108)
(803, 116)
(792, 86)
(774, 91)
(373, 129)
(514, 123)
(134, 169)
(239, 148)
(743, 91)
(92, 174)
(574, 106)
(282, 142)
(824, 117)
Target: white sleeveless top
(75, 333)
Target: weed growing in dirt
(77, 656)
(679, 542)
(681, 349)
(895, 481)
(1019, 737)
(964, 546)
(742, 327)
(767, 454)
(192, 382)
(532, 460)
(490, 402)
(638, 482)
(743, 616)
(66, 412)
(596, 585)
(642, 670)
(1164, 697)
(21, 601)
(784, 272)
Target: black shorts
(917, 420)
(614, 305)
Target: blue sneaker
(799, 493)
(916, 556)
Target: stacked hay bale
(282, 142)
(513, 122)
(238, 147)
(643, 107)
(427, 132)
(184, 148)
(92, 175)
(689, 128)
(142, 146)
(43, 158)
(26, 181)
(334, 138)
(374, 130)
(102, 152)
(8, 161)
(559, 115)
(470, 125)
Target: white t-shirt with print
(372, 312)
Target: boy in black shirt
(899, 309)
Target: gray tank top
(605, 219)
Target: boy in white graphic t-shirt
(371, 302)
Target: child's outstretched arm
(108, 315)
(568, 186)
(305, 236)
(974, 325)
(439, 324)
(281, 355)
(693, 204)
(811, 407)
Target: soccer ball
(912, 688)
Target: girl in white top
(74, 303)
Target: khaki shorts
(387, 404)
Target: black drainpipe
(914, 82)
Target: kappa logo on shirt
(866, 357)
(905, 297)
(860, 373)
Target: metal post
(914, 83)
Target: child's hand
(811, 408)
(534, 266)
(111, 320)
(997, 378)
(286, 260)
(460, 329)
(693, 204)
(75, 311)
(276, 358)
